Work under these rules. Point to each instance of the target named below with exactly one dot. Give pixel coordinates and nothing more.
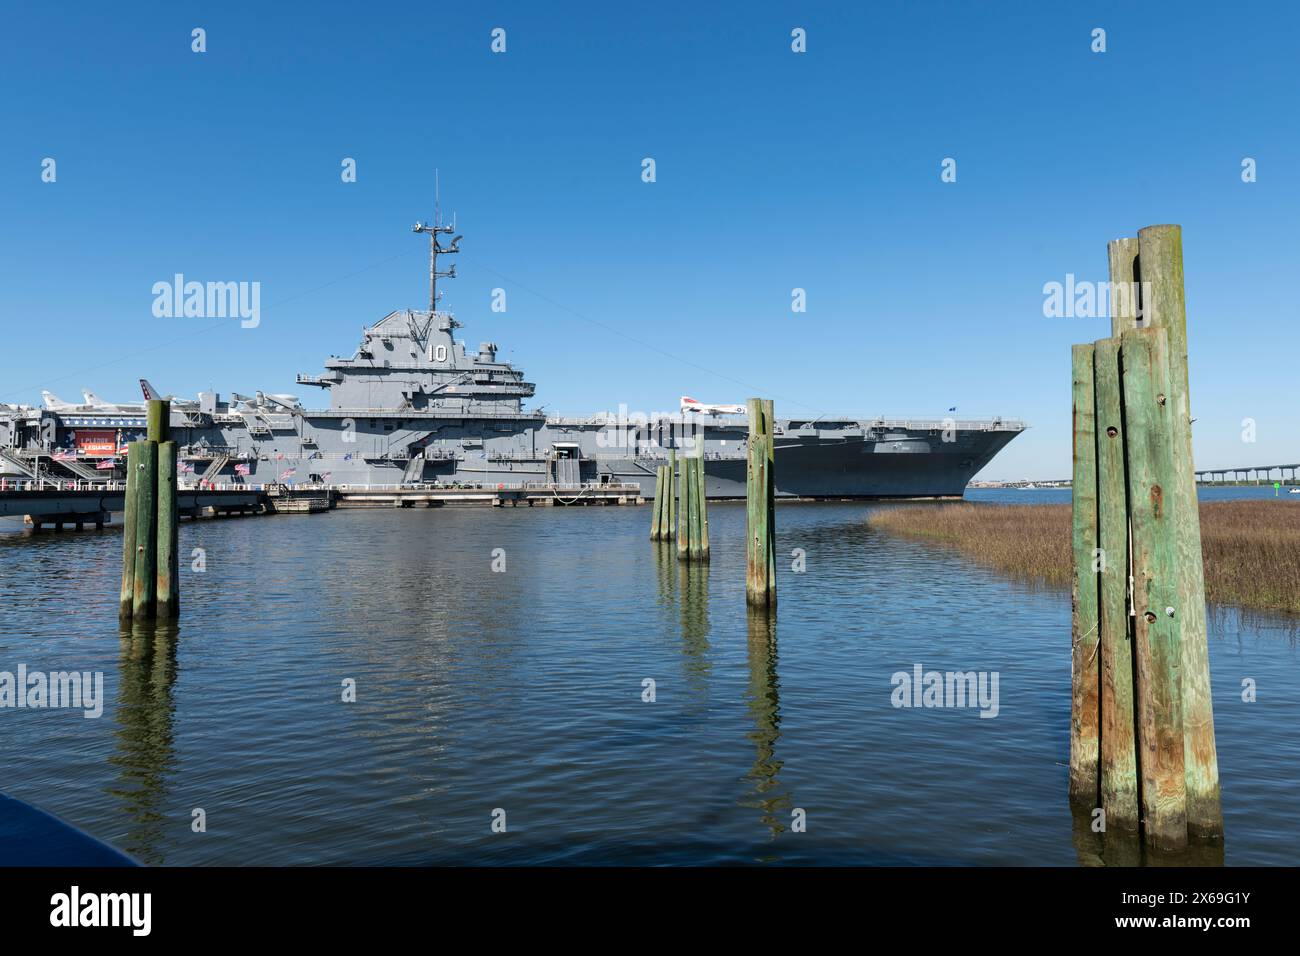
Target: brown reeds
(1251, 548)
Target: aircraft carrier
(412, 405)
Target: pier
(81, 504)
(78, 504)
(498, 495)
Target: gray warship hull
(413, 405)
(867, 459)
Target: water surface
(521, 691)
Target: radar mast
(436, 249)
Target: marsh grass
(1251, 548)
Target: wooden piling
(694, 539)
(1085, 667)
(671, 529)
(1156, 601)
(1117, 754)
(702, 495)
(1156, 715)
(1160, 258)
(760, 509)
(127, 597)
(684, 512)
(158, 419)
(168, 584)
(145, 584)
(657, 521)
(665, 532)
(1125, 288)
(693, 519)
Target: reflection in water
(1125, 848)
(764, 706)
(695, 622)
(666, 570)
(506, 688)
(145, 711)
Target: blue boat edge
(32, 837)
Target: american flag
(106, 464)
(279, 457)
(64, 456)
(241, 469)
(326, 476)
(185, 468)
(288, 474)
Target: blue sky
(775, 170)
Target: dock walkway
(77, 504)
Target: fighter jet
(264, 400)
(55, 404)
(99, 405)
(691, 405)
(151, 394)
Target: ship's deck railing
(824, 421)
(59, 484)
(55, 484)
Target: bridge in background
(1256, 474)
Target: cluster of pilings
(689, 520)
(150, 578)
(664, 525)
(693, 515)
(1142, 727)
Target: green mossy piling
(1085, 665)
(692, 514)
(127, 599)
(760, 507)
(150, 578)
(1150, 760)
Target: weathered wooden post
(694, 540)
(693, 521)
(1156, 601)
(1118, 747)
(1125, 286)
(1160, 257)
(1118, 762)
(168, 586)
(146, 529)
(684, 512)
(657, 522)
(671, 495)
(127, 597)
(1085, 668)
(1158, 765)
(703, 497)
(158, 419)
(760, 507)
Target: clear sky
(775, 170)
